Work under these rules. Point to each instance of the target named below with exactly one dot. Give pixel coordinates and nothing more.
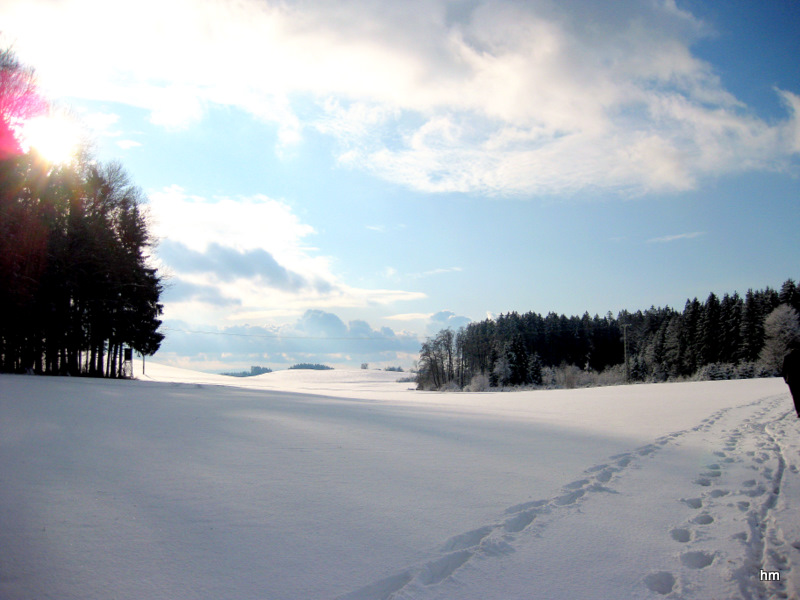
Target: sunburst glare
(55, 138)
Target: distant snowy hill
(346, 484)
(332, 381)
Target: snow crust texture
(179, 489)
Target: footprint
(468, 539)
(711, 474)
(519, 522)
(385, 588)
(779, 559)
(596, 468)
(570, 498)
(681, 535)
(661, 583)
(496, 548)
(697, 559)
(704, 481)
(693, 502)
(605, 476)
(704, 519)
(718, 493)
(740, 536)
(623, 461)
(524, 506)
(720, 454)
(439, 570)
(576, 484)
(743, 505)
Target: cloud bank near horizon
(316, 337)
(245, 259)
(494, 97)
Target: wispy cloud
(494, 97)
(678, 236)
(438, 271)
(409, 317)
(253, 249)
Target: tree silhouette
(75, 285)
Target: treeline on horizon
(721, 338)
(75, 285)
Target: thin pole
(625, 345)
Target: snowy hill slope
(341, 382)
(189, 486)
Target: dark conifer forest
(75, 284)
(720, 338)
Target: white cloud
(409, 317)
(245, 258)
(678, 236)
(446, 319)
(495, 97)
(100, 123)
(127, 144)
(438, 271)
(313, 336)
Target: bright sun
(55, 138)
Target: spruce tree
(535, 369)
(710, 341)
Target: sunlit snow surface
(347, 484)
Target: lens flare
(55, 138)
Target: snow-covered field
(346, 484)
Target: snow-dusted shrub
(502, 371)
(722, 371)
(478, 383)
(716, 372)
(781, 328)
(569, 376)
(758, 369)
(614, 375)
(549, 377)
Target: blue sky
(331, 182)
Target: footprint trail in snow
(733, 516)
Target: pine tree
(751, 329)
(535, 369)
(790, 294)
(710, 341)
(517, 357)
(692, 314)
(730, 324)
